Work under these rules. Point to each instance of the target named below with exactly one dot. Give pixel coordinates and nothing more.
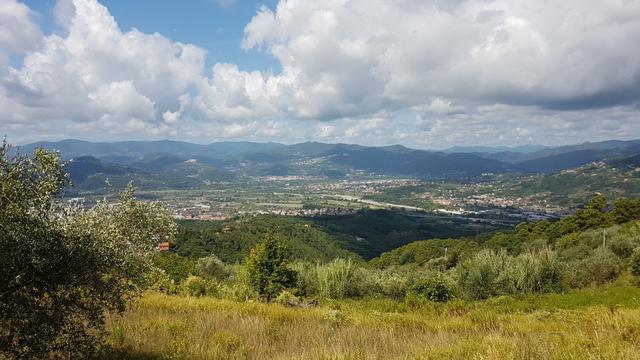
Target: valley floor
(585, 324)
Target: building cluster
(325, 211)
(361, 186)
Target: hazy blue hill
(90, 173)
(600, 150)
(315, 158)
(630, 161)
(81, 168)
(239, 148)
(75, 148)
(311, 148)
(559, 162)
(524, 149)
(417, 162)
(155, 162)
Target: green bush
(212, 267)
(602, 266)
(175, 266)
(63, 269)
(534, 272)
(477, 276)
(160, 281)
(287, 298)
(307, 280)
(634, 263)
(237, 291)
(338, 279)
(492, 273)
(435, 288)
(268, 268)
(197, 286)
(623, 246)
(386, 282)
(343, 278)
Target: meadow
(592, 323)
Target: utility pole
(604, 237)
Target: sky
(422, 73)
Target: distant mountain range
(495, 149)
(184, 164)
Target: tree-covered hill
(576, 237)
(231, 241)
(372, 232)
(365, 234)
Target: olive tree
(62, 269)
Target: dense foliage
(526, 236)
(369, 233)
(595, 246)
(232, 241)
(268, 268)
(61, 269)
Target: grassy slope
(586, 324)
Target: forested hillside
(364, 234)
(231, 241)
(592, 232)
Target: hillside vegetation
(280, 287)
(592, 232)
(365, 234)
(587, 324)
(232, 241)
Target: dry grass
(553, 327)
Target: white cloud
(18, 32)
(427, 73)
(96, 71)
(357, 56)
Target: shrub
(602, 266)
(307, 278)
(267, 268)
(237, 292)
(212, 267)
(477, 276)
(634, 263)
(161, 282)
(436, 289)
(197, 286)
(534, 272)
(385, 282)
(622, 246)
(62, 270)
(287, 298)
(338, 279)
(175, 266)
(496, 273)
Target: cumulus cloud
(355, 56)
(18, 32)
(426, 73)
(98, 72)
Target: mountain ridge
(319, 159)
